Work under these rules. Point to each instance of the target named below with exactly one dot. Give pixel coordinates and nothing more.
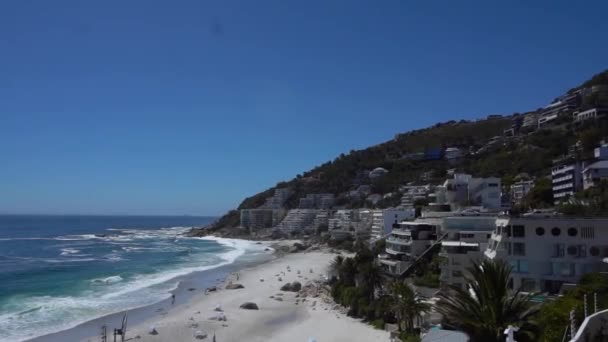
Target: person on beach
(172, 298)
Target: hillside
(488, 151)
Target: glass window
(519, 248)
(519, 231)
(572, 231)
(594, 251)
(540, 231)
(556, 231)
(523, 266)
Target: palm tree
(485, 307)
(334, 266)
(407, 305)
(371, 277)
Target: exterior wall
(592, 176)
(566, 179)
(520, 189)
(384, 220)
(254, 219)
(589, 114)
(467, 230)
(548, 252)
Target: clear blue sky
(185, 107)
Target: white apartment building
(383, 220)
(547, 252)
(463, 190)
(255, 219)
(298, 220)
(317, 201)
(520, 189)
(566, 179)
(278, 199)
(407, 241)
(452, 154)
(594, 173)
(589, 114)
(412, 193)
(467, 239)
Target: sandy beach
(292, 317)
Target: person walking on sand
(172, 298)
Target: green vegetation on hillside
(507, 157)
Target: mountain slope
(410, 155)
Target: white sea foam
(107, 280)
(36, 316)
(69, 251)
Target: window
(519, 248)
(559, 250)
(540, 231)
(572, 232)
(582, 251)
(572, 250)
(523, 266)
(528, 284)
(587, 232)
(507, 229)
(594, 251)
(519, 231)
(556, 231)
(508, 247)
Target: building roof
(459, 244)
(602, 164)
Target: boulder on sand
(292, 287)
(249, 306)
(200, 335)
(234, 286)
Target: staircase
(408, 271)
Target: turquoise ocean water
(59, 271)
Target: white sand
(274, 321)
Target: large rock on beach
(234, 286)
(249, 306)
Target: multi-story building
(547, 252)
(520, 189)
(407, 241)
(566, 178)
(452, 154)
(278, 199)
(255, 219)
(316, 201)
(383, 220)
(530, 121)
(589, 114)
(466, 240)
(562, 105)
(594, 173)
(412, 193)
(298, 220)
(463, 190)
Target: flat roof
(459, 244)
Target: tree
(407, 305)
(541, 195)
(485, 307)
(372, 278)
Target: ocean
(59, 271)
